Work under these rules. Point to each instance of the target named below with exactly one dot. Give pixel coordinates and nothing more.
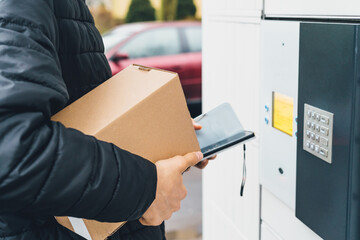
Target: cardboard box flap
(123, 94)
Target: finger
(202, 164)
(212, 157)
(196, 125)
(143, 221)
(167, 217)
(190, 159)
(177, 207)
(183, 193)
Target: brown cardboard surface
(100, 230)
(141, 110)
(65, 222)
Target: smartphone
(221, 129)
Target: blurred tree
(103, 18)
(168, 9)
(139, 11)
(185, 9)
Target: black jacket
(50, 55)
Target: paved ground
(186, 224)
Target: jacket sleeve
(45, 168)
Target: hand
(170, 188)
(204, 163)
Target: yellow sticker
(283, 109)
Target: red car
(173, 46)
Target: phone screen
(221, 129)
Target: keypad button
(324, 141)
(308, 134)
(317, 138)
(318, 117)
(317, 148)
(324, 119)
(313, 126)
(313, 115)
(324, 130)
(309, 114)
(308, 144)
(312, 146)
(308, 124)
(312, 136)
(317, 128)
(323, 152)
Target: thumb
(191, 159)
(196, 125)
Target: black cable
(244, 174)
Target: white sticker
(80, 227)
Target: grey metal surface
(327, 195)
(318, 132)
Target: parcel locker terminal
(311, 99)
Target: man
(50, 55)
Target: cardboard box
(142, 110)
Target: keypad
(318, 129)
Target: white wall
(231, 74)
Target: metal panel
(282, 221)
(279, 63)
(327, 79)
(318, 132)
(267, 233)
(312, 8)
(354, 195)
